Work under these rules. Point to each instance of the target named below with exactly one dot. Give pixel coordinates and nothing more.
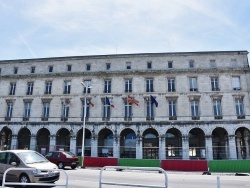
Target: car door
(3, 162)
(12, 175)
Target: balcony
(25, 118)
(64, 119)
(217, 117)
(172, 118)
(150, 118)
(241, 117)
(7, 118)
(196, 118)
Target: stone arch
(220, 143)
(128, 143)
(63, 139)
(23, 138)
(197, 144)
(6, 135)
(43, 140)
(105, 143)
(242, 140)
(173, 143)
(150, 140)
(87, 142)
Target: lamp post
(84, 119)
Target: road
(89, 178)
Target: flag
(107, 101)
(132, 100)
(66, 102)
(90, 103)
(153, 101)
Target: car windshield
(32, 157)
(69, 154)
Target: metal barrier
(37, 184)
(132, 168)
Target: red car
(62, 159)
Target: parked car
(62, 159)
(27, 159)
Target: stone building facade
(187, 105)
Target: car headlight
(36, 171)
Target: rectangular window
(87, 109)
(106, 111)
(87, 83)
(212, 64)
(12, 88)
(107, 86)
(67, 85)
(27, 108)
(128, 110)
(234, 63)
(30, 88)
(171, 85)
(193, 84)
(150, 110)
(215, 84)
(88, 67)
(9, 110)
(191, 64)
(128, 65)
(236, 83)
(217, 107)
(128, 86)
(46, 107)
(32, 70)
(239, 107)
(149, 65)
(48, 87)
(149, 85)
(50, 68)
(172, 108)
(65, 111)
(69, 68)
(108, 66)
(195, 108)
(170, 64)
(15, 70)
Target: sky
(58, 28)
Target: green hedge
(237, 166)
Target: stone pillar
(33, 142)
(238, 147)
(14, 142)
(138, 145)
(116, 147)
(72, 146)
(232, 147)
(209, 147)
(185, 147)
(247, 146)
(94, 146)
(162, 147)
(52, 142)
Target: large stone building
(190, 105)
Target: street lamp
(84, 119)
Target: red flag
(90, 103)
(132, 100)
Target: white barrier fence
(133, 168)
(35, 184)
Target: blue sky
(56, 28)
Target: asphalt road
(89, 178)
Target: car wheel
(73, 167)
(24, 179)
(60, 165)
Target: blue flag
(108, 102)
(153, 101)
